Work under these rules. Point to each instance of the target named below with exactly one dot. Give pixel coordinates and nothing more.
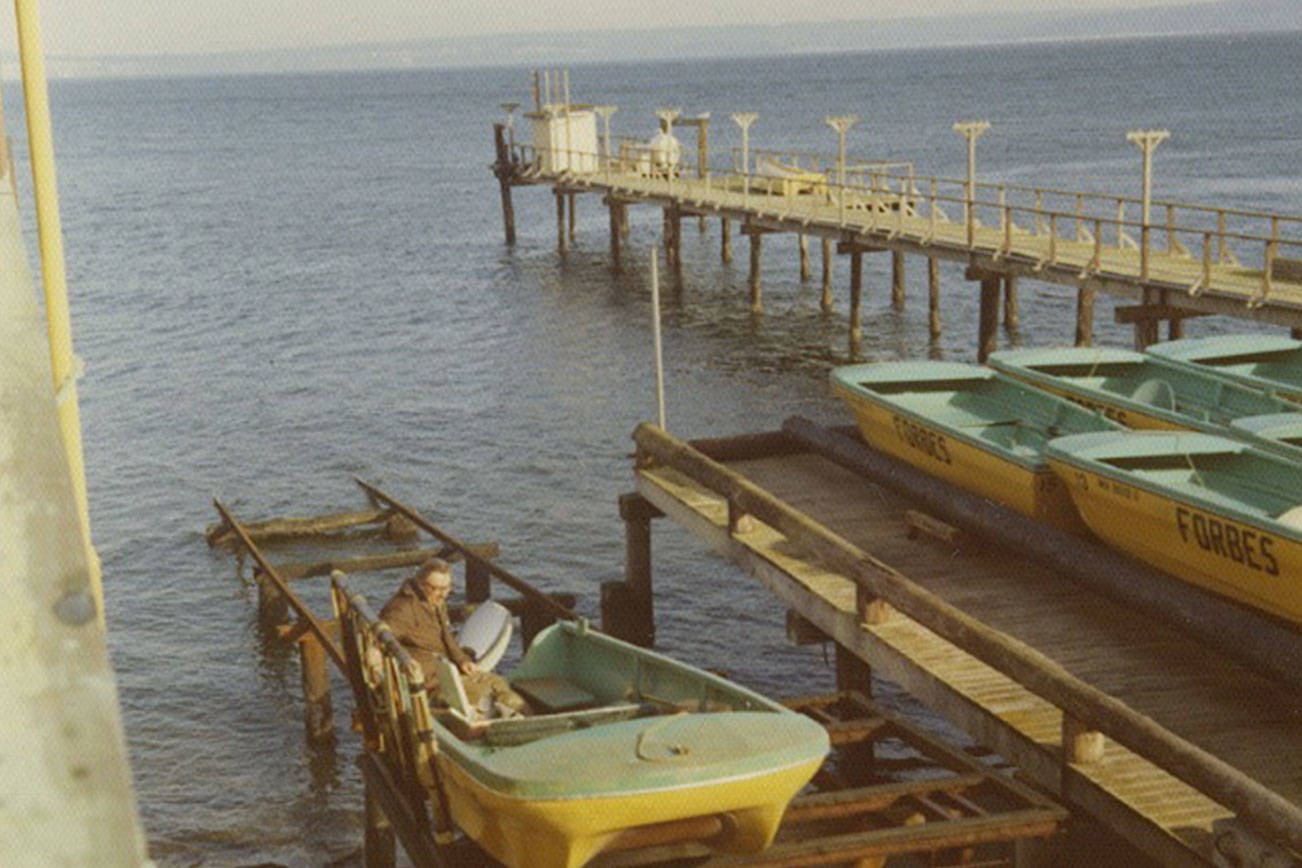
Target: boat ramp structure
(1172, 718)
(1169, 260)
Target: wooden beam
(373, 563)
(1143, 313)
(826, 302)
(277, 529)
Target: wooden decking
(1240, 717)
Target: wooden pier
(1171, 260)
(1173, 744)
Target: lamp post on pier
(1147, 140)
(842, 124)
(509, 108)
(744, 120)
(604, 112)
(971, 130)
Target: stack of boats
(1187, 456)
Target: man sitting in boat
(418, 616)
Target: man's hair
(435, 567)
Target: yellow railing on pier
(1191, 248)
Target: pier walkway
(1177, 260)
(1159, 736)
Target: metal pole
(655, 335)
(744, 120)
(1147, 140)
(842, 124)
(49, 230)
(971, 130)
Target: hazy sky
(106, 27)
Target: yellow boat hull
(1037, 494)
(567, 832)
(1230, 557)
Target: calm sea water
(280, 282)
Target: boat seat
(454, 692)
(1155, 392)
(1291, 517)
(550, 694)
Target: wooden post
(676, 234)
(1085, 315)
(897, 280)
(1146, 329)
(318, 715)
(852, 673)
(826, 303)
(273, 606)
(561, 237)
(756, 243)
(1011, 318)
(802, 240)
(623, 219)
(1295, 333)
(702, 156)
(1080, 744)
(933, 296)
(627, 609)
(667, 236)
(502, 168)
(378, 848)
(1175, 328)
(725, 243)
(616, 264)
(573, 234)
(478, 582)
(988, 327)
(856, 297)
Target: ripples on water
(280, 282)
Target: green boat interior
(1234, 478)
(1003, 413)
(575, 679)
(1168, 387)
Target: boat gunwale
(1031, 464)
(999, 361)
(1100, 467)
(462, 753)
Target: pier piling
(1011, 318)
(897, 280)
(502, 168)
(756, 248)
(802, 241)
(616, 264)
(478, 582)
(379, 843)
(988, 320)
(561, 236)
(856, 297)
(826, 301)
(933, 297)
(1085, 315)
(273, 607)
(725, 239)
(318, 714)
(626, 607)
(573, 234)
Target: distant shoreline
(1227, 18)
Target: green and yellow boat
(1272, 363)
(971, 426)
(1210, 510)
(1139, 390)
(625, 740)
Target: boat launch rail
(1120, 714)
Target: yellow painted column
(50, 234)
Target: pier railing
(1085, 708)
(1193, 247)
